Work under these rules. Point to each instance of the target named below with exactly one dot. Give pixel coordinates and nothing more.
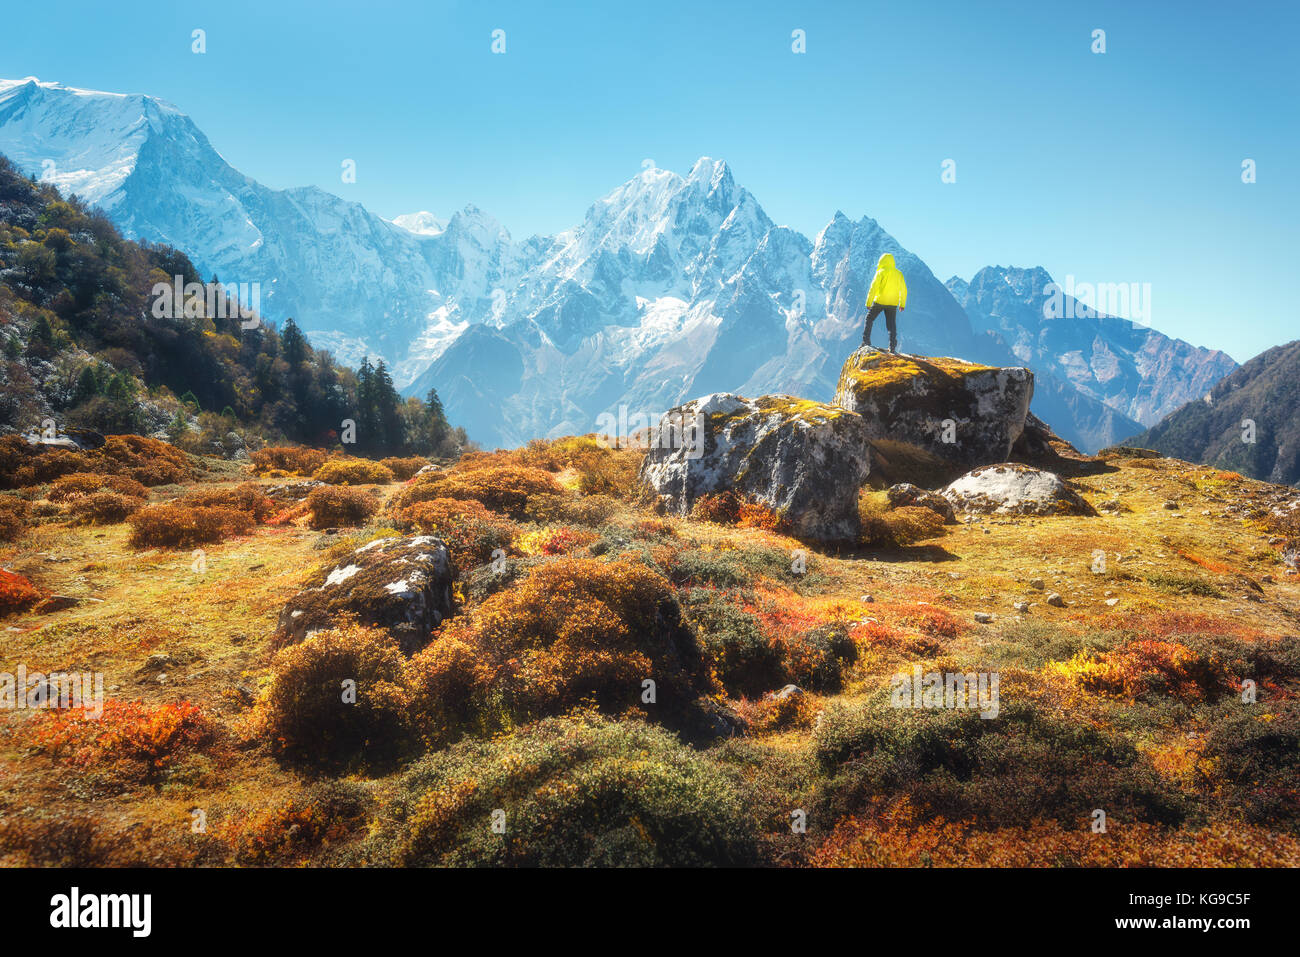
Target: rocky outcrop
(964, 413)
(906, 495)
(400, 584)
(1014, 489)
(804, 460)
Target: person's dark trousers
(891, 320)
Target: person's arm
(902, 299)
(874, 291)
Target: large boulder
(962, 412)
(400, 584)
(805, 460)
(1010, 488)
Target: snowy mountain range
(670, 287)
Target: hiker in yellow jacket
(888, 294)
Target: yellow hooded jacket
(888, 287)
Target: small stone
(983, 618)
(1172, 506)
(866, 599)
(1036, 583)
(1112, 602)
(1055, 600)
(789, 691)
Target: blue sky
(1115, 167)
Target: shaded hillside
(1265, 391)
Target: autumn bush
(294, 459)
(501, 488)
(591, 511)
(326, 813)
(338, 506)
(583, 629)
(887, 526)
(148, 461)
(104, 508)
(71, 486)
(741, 655)
(404, 468)
(1148, 668)
(245, 497)
(774, 713)
(13, 517)
(1020, 766)
(16, 593)
(181, 526)
(644, 800)
(556, 540)
(896, 834)
(471, 532)
(131, 742)
(1251, 757)
(353, 472)
(306, 713)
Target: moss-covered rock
(400, 584)
(804, 460)
(963, 412)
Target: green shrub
(576, 791)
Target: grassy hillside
(1120, 678)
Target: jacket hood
(886, 261)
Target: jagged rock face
(804, 460)
(965, 413)
(1014, 489)
(400, 584)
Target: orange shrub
(304, 712)
(104, 508)
(1148, 666)
(332, 506)
(933, 622)
(896, 836)
(556, 541)
(353, 472)
(132, 740)
(721, 508)
(287, 458)
(582, 628)
(86, 483)
(13, 517)
(501, 488)
(148, 461)
(16, 593)
(245, 497)
(404, 468)
(180, 526)
(470, 531)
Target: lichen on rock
(804, 460)
(966, 413)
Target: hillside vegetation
(1247, 422)
(81, 345)
(521, 733)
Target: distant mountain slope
(1266, 391)
(1135, 370)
